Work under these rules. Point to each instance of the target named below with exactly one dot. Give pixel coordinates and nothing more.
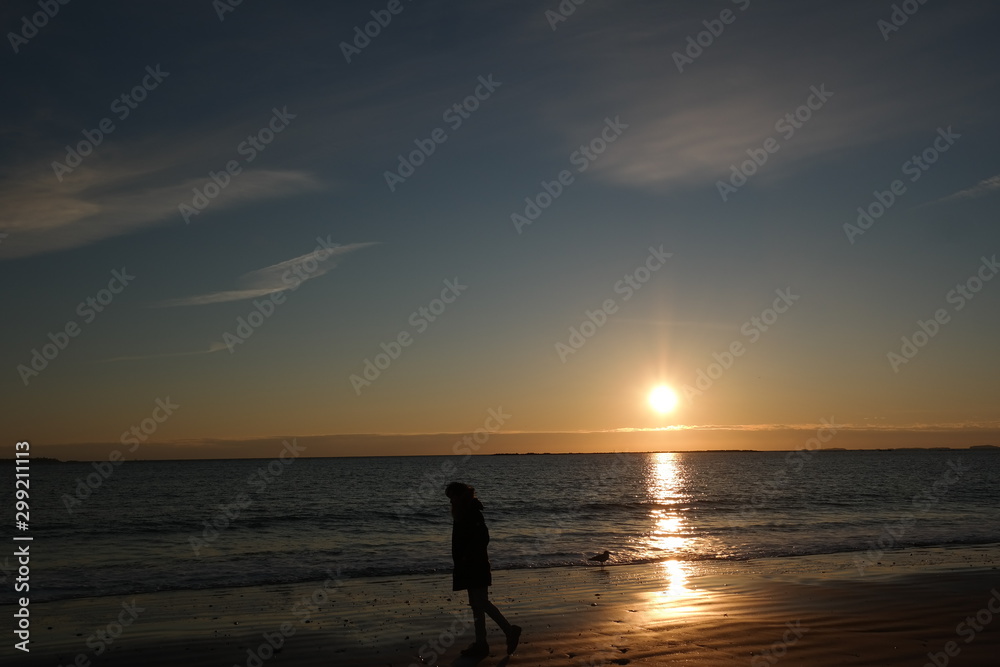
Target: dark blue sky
(609, 67)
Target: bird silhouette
(601, 558)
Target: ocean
(175, 525)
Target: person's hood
(473, 508)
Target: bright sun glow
(663, 399)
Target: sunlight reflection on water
(666, 487)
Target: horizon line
(665, 451)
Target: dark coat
(469, 537)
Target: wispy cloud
(214, 347)
(980, 189)
(275, 278)
(687, 129)
(278, 277)
(42, 215)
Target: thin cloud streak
(683, 133)
(275, 278)
(43, 218)
(214, 347)
(981, 189)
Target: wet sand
(797, 611)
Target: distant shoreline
(45, 460)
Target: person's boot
(513, 637)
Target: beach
(317, 310)
(813, 610)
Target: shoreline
(718, 612)
(939, 557)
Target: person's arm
(480, 533)
(472, 536)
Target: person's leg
(478, 601)
(495, 614)
(512, 632)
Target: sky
(222, 225)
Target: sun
(663, 399)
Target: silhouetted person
(469, 537)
